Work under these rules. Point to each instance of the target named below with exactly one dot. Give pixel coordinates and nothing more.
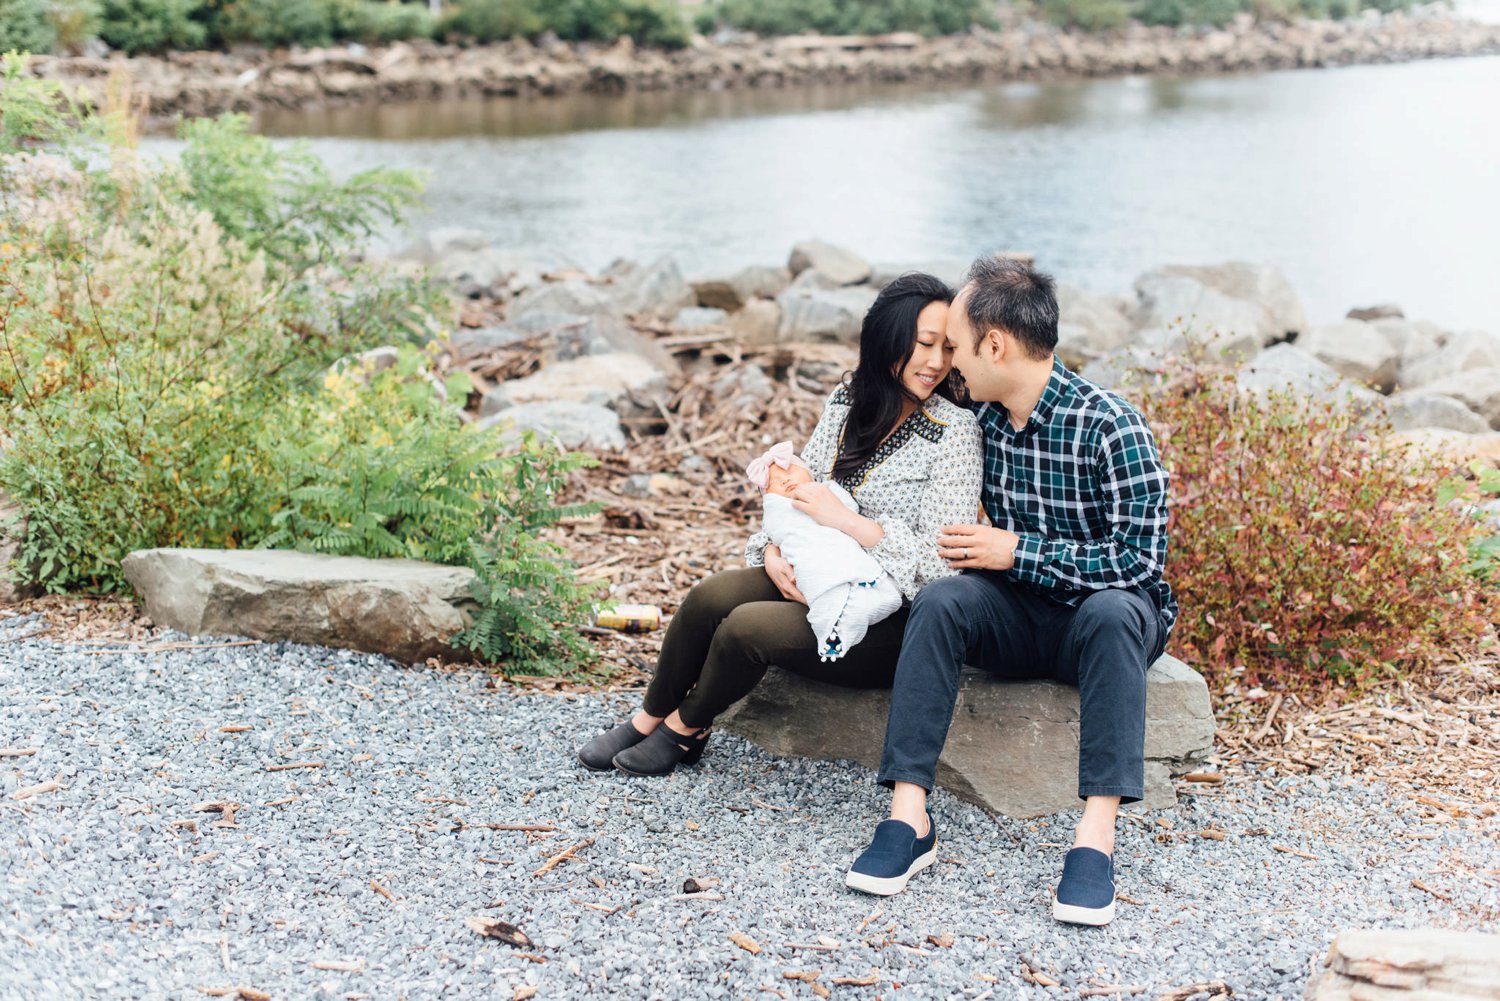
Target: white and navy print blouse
(926, 475)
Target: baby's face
(784, 481)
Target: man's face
(978, 368)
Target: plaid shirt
(1083, 486)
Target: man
(1064, 583)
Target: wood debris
(1213, 988)
(293, 765)
(745, 942)
(338, 965)
(524, 993)
(943, 941)
(1293, 851)
(869, 981)
(502, 930)
(562, 856)
(1111, 989)
(242, 992)
(29, 791)
(699, 884)
(387, 894)
(17, 752)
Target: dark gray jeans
(1103, 645)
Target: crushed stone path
(353, 876)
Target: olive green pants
(734, 625)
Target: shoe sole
(1074, 915)
(886, 886)
(641, 775)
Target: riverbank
(207, 83)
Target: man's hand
(978, 547)
(782, 574)
(818, 502)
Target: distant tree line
(151, 26)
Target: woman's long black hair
(887, 340)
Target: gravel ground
(113, 887)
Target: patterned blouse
(926, 475)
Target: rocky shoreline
(207, 83)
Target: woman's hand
(978, 547)
(818, 502)
(782, 574)
(823, 506)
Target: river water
(1364, 184)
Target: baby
(846, 590)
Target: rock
(1125, 370)
(484, 272)
(1384, 311)
(759, 322)
(573, 425)
(1231, 327)
(1356, 350)
(1463, 352)
(436, 244)
(735, 291)
(470, 343)
(1013, 747)
(1409, 411)
(13, 583)
(570, 335)
(812, 278)
(644, 485)
(1260, 284)
(623, 381)
(1479, 390)
(658, 291)
(1455, 449)
(406, 609)
(1284, 368)
(698, 317)
(1409, 340)
(1089, 326)
(950, 270)
(570, 296)
(745, 391)
(824, 315)
(1369, 964)
(842, 266)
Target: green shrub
(649, 22)
(1307, 550)
(276, 23)
(151, 26)
(165, 341)
(852, 17)
(1090, 15)
(74, 22)
(379, 22)
(25, 27)
(1173, 13)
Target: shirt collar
(1052, 395)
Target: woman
(894, 437)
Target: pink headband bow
(759, 470)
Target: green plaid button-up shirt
(1082, 484)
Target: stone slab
(406, 609)
(1012, 748)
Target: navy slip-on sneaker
(894, 856)
(1086, 895)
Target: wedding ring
(966, 552)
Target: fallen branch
(1292, 851)
(745, 942)
(339, 965)
(243, 992)
(294, 764)
(1095, 992)
(1210, 987)
(36, 790)
(387, 894)
(562, 856)
(17, 752)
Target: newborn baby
(846, 590)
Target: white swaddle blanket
(846, 590)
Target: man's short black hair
(1006, 293)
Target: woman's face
(932, 355)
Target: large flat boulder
(811, 314)
(841, 266)
(1355, 350)
(1370, 964)
(406, 609)
(1013, 746)
(1262, 285)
